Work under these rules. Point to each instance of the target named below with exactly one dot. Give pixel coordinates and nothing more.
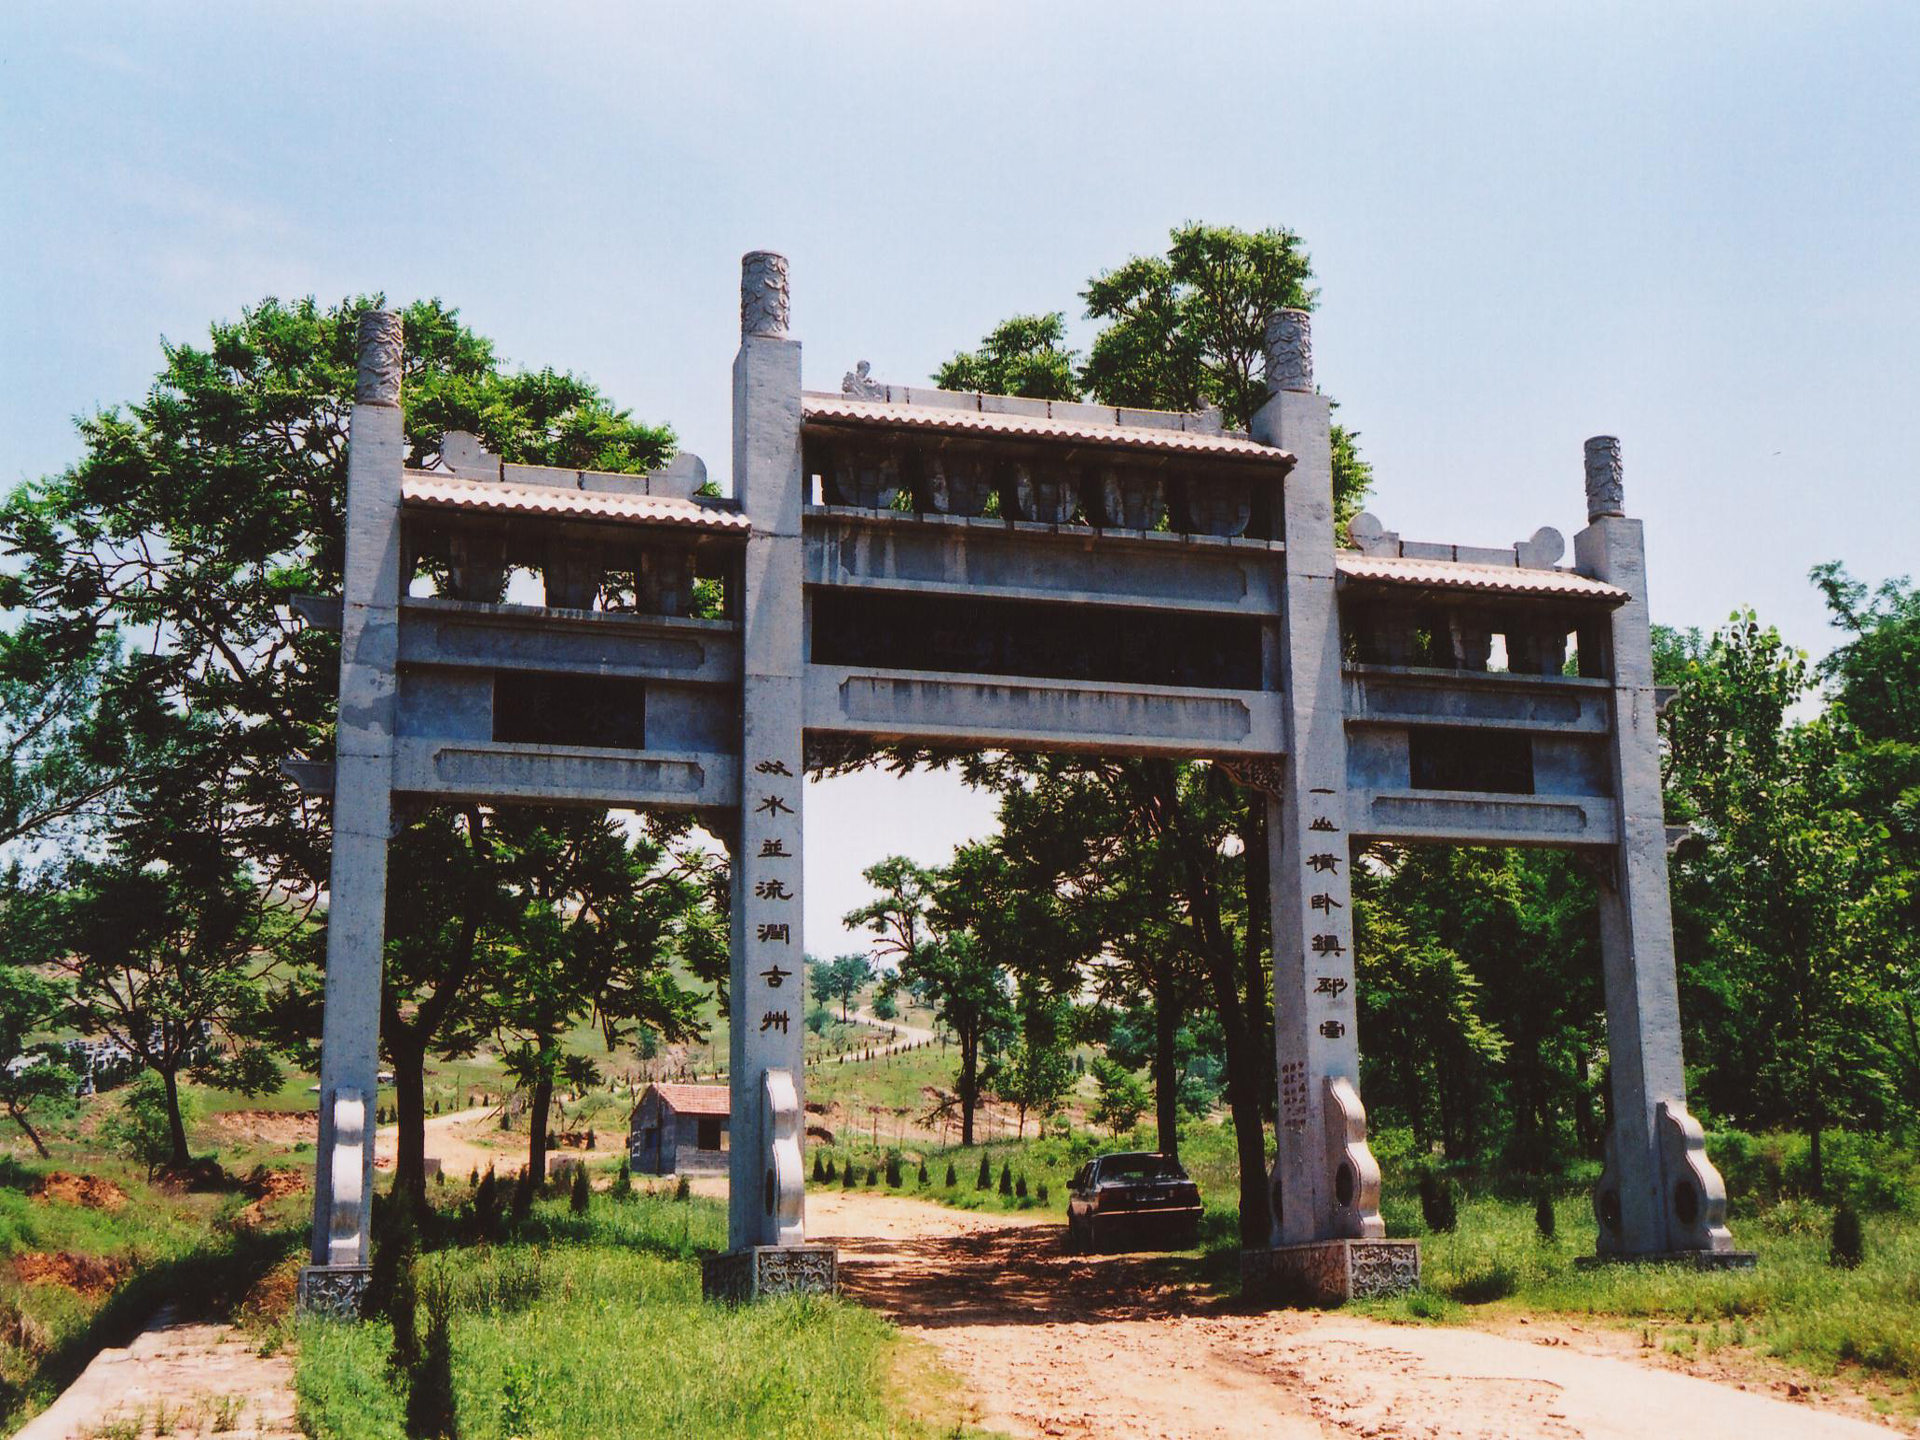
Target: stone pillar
(768, 975)
(1325, 1184)
(362, 814)
(1658, 1193)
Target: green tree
(1796, 884)
(1026, 355)
(842, 979)
(33, 1071)
(1121, 1100)
(168, 949)
(194, 516)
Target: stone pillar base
(336, 1290)
(738, 1276)
(1329, 1272)
(1698, 1259)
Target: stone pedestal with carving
(1329, 1272)
(339, 1291)
(739, 1276)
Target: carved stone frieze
(763, 294)
(738, 1277)
(786, 1182)
(1289, 351)
(338, 1291)
(1329, 1272)
(1606, 488)
(1269, 777)
(346, 1245)
(380, 350)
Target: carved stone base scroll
(786, 1182)
(1696, 1195)
(347, 1169)
(1356, 1174)
(1329, 1272)
(741, 1276)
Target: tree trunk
(176, 1127)
(20, 1119)
(969, 1084)
(409, 1060)
(1166, 1079)
(537, 1127)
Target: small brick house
(679, 1128)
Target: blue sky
(1695, 226)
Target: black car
(1139, 1199)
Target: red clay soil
(88, 1275)
(86, 1190)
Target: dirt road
(1060, 1345)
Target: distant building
(679, 1128)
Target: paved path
(176, 1379)
(1051, 1344)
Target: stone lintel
(338, 1291)
(1329, 1272)
(1698, 1259)
(739, 1276)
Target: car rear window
(1141, 1167)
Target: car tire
(1093, 1235)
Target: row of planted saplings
(956, 479)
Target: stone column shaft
(362, 798)
(768, 987)
(1325, 1184)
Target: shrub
(893, 1172)
(431, 1410)
(1849, 1244)
(582, 1195)
(923, 1174)
(623, 1181)
(1006, 1178)
(684, 1190)
(522, 1204)
(1543, 1216)
(873, 1176)
(440, 1177)
(832, 1174)
(1020, 1187)
(1040, 1192)
(473, 1178)
(850, 1177)
(593, 1141)
(1438, 1207)
(819, 1170)
(953, 1176)
(985, 1181)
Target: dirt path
(176, 1379)
(1058, 1345)
(461, 1140)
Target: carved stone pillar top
(1606, 495)
(378, 382)
(1290, 351)
(763, 294)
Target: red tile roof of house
(695, 1099)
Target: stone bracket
(785, 1219)
(1329, 1272)
(347, 1172)
(738, 1277)
(1696, 1196)
(1355, 1196)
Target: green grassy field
(594, 1325)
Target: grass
(594, 1325)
